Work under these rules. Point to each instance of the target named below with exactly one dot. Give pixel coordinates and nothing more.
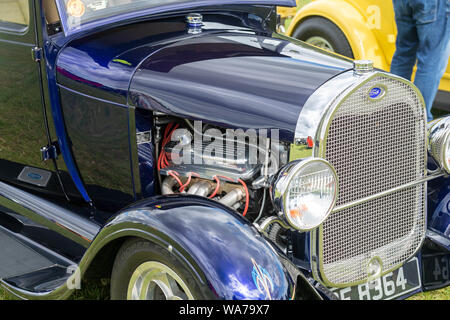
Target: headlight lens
(306, 192)
(439, 142)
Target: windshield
(77, 13)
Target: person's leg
(407, 41)
(433, 52)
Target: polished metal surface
(319, 190)
(266, 223)
(66, 222)
(378, 148)
(225, 156)
(362, 66)
(134, 158)
(155, 281)
(167, 185)
(439, 139)
(194, 22)
(35, 176)
(194, 19)
(202, 188)
(233, 197)
(387, 192)
(319, 102)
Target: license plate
(437, 266)
(390, 286)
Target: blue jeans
(424, 36)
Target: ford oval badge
(376, 93)
(34, 176)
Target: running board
(27, 269)
(41, 281)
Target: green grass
(94, 290)
(91, 291)
(4, 295)
(99, 291)
(442, 294)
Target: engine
(232, 167)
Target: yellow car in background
(359, 29)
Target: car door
(32, 200)
(23, 129)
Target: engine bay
(233, 167)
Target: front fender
(439, 211)
(217, 244)
(351, 22)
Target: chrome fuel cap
(194, 22)
(362, 66)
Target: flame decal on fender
(262, 280)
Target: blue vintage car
(185, 150)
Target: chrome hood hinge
(50, 151)
(36, 54)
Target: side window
(14, 15)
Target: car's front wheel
(324, 34)
(145, 271)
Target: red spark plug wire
(162, 160)
(247, 197)
(216, 189)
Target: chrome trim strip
(387, 192)
(438, 139)
(283, 181)
(59, 218)
(26, 295)
(268, 222)
(319, 102)
(134, 158)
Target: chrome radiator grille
(374, 145)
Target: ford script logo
(376, 93)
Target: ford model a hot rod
(185, 150)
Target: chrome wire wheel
(155, 281)
(321, 43)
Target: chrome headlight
(439, 142)
(305, 192)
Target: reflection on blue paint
(198, 226)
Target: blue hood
(234, 80)
(232, 76)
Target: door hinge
(36, 54)
(50, 151)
